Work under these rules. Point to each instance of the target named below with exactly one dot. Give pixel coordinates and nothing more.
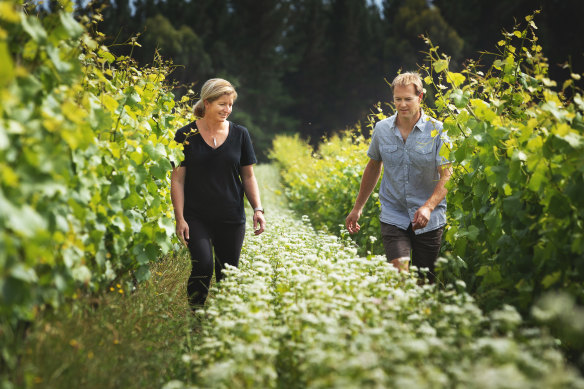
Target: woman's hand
(182, 230)
(177, 195)
(259, 219)
(250, 186)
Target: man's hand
(351, 221)
(421, 217)
(182, 230)
(258, 218)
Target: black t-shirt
(213, 185)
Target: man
(412, 191)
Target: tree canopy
(317, 66)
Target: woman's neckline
(215, 146)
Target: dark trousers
(226, 240)
(423, 248)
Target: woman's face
(219, 109)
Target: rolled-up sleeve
(373, 151)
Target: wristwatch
(261, 209)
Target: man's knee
(401, 263)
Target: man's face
(407, 102)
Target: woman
(207, 188)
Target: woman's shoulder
(182, 133)
(239, 130)
(238, 127)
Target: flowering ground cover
(303, 310)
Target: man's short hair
(408, 78)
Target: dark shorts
(423, 249)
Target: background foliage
(323, 185)
(317, 66)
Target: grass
(114, 340)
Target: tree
(256, 62)
(335, 77)
(181, 45)
(354, 61)
(479, 23)
(307, 46)
(405, 23)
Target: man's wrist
(258, 209)
(430, 207)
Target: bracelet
(259, 209)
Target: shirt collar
(420, 124)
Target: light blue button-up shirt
(410, 170)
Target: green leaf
(483, 111)
(574, 140)
(459, 98)
(8, 12)
(507, 189)
(440, 65)
(23, 273)
(538, 177)
(6, 65)
(133, 98)
(33, 27)
(161, 169)
(579, 101)
(455, 78)
(109, 57)
(109, 102)
(73, 28)
(152, 152)
(554, 109)
(142, 273)
(551, 279)
(472, 232)
(483, 270)
(14, 291)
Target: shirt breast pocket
(391, 155)
(424, 150)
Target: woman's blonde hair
(211, 91)
(409, 78)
